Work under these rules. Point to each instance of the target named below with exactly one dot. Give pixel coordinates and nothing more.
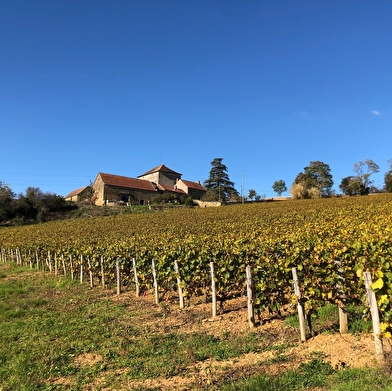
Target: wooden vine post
(102, 274)
(177, 270)
(118, 277)
(213, 290)
(90, 273)
(154, 275)
(55, 264)
(81, 268)
(64, 268)
(301, 315)
(49, 262)
(137, 286)
(343, 321)
(250, 294)
(71, 266)
(372, 302)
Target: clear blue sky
(123, 86)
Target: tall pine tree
(219, 186)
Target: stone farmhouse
(112, 189)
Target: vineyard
(330, 242)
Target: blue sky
(123, 86)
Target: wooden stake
(81, 268)
(90, 273)
(118, 277)
(343, 321)
(372, 302)
(301, 315)
(49, 262)
(137, 286)
(71, 266)
(55, 264)
(213, 290)
(63, 262)
(176, 269)
(102, 274)
(249, 290)
(154, 275)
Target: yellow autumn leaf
(383, 300)
(378, 284)
(360, 272)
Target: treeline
(33, 206)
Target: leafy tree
(6, 201)
(218, 185)
(252, 194)
(388, 178)
(315, 181)
(364, 170)
(351, 185)
(279, 187)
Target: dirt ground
(341, 350)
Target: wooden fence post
(301, 315)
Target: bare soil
(341, 350)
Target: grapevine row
(317, 237)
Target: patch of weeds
(277, 359)
(309, 375)
(368, 379)
(357, 321)
(292, 321)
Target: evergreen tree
(219, 187)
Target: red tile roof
(160, 168)
(76, 192)
(193, 185)
(171, 188)
(129, 183)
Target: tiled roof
(171, 188)
(160, 168)
(76, 192)
(126, 182)
(193, 185)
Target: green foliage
(270, 237)
(279, 187)
(388, 178)
(352, 185)
(364, 170)
(317, 175)
(218, 185)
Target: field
(57, 333)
